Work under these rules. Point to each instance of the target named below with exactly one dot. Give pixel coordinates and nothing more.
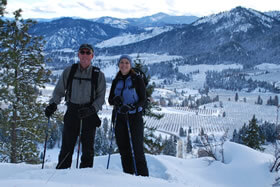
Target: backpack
(142, 75)
(94, 80)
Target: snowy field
(243, 167)
(237, 113)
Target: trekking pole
(131, 145)
(114, 113)
(45, 146)
(79, 142)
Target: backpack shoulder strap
(73, 70)
(94, 82)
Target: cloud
(85, 6)
(133, 8)
(42, 10)
(99, 4)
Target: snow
(243, 167)
(132, 38)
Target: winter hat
(86, 46)
(126, 57)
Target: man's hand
(50, 110)
(86, 112)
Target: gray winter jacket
(81, 90)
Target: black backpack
(94, 80)
(142, 75)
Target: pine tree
(151, 142)
(3, 4)
(189, 144)
(182, 132)
(101, 145)
(169, 146)
(253, 137)
(236, 97)
(22, 73)
(235, 136)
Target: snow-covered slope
(243, 167)
(132, 38)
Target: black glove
(117, 101)
(125, 108)
(50, 110)
(86, 112)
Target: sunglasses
(85, 52)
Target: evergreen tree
(106, 126)
(242, 133)
(235, 136)
(169, 146)
(151, 142)
(190, 130)
(269, 132)
(22, 73)
(3, 4)
(236, 97)
(182, 132)
(189, 144)
(101, 145)
(253, 137)
(276, 102)
(259, 100)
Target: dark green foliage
(274, 101)
(270, 131)
(169, 146)
(22, 74)
(259, 100)
(253, 137)
(236, 97)
(152, 144)
(235, 79)
(189, 144)
(3, 4)
(182, 133)
(103, 139)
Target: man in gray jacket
(84, 99)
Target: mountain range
(241, 35)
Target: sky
(131, 8)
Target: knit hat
(86, 46)
(126, 57)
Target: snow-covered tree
(22, 74)
(189, 144)
(151, 142)
(169, 146)
(252, 136)
(3, 4)
(102, 144)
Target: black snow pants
(70, 134)
(137, 135)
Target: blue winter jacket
(132, 91)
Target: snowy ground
(243, 167)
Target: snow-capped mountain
(156, 20)
(129, 38)
(274, 14)
(70, 33)
(240, 35)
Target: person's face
(85, 56)
(124, 66)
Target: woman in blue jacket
(128, 95)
